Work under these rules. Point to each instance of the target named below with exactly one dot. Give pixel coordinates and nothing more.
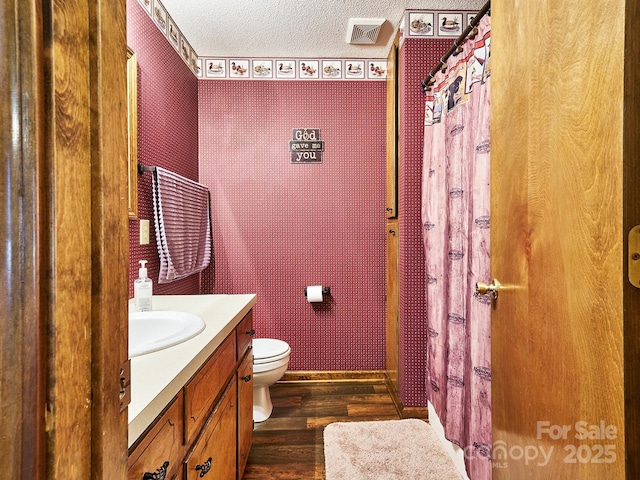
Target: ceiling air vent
(364, 31)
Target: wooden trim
(22, 355)
(415, 412)
(631, 218)
(65, 230)
(404, 412)
(297, 376)
(109, 175)
(393, 392)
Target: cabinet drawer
(245, 411)
(205, 388)
(244, 334)
(162, 448)
(214, 454)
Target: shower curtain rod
(428, 82)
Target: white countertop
(157, 377)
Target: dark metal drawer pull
(246, 378)
(159, 474)
(204, 468)
(251, 332)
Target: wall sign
(306, 146)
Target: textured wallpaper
(167, 133)
(416, 58)
(280, 226)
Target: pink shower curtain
(456, 221)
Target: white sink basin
(157, 330)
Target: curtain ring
(457, 50)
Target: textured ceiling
(292, 28)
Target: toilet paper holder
(325, 291)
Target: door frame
(66, 271)
(630, 219)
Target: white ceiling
(292, 28)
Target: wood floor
(289, 444)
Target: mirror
(132, 127)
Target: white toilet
(270, 361)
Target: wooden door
(558, 207)
(64, 226)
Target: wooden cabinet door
(214, 454)
(244, 334)
(392, 131)
(392, 302)
(201, 392)
(245, 411)
(161, 449)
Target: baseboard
(395, 396)
(404, 412)
(294, 376)
(416, 412)
(378, 376)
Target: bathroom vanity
(191, 411)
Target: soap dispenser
(142, 289)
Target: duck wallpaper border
(371, 69)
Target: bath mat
(386, 450)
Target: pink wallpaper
(416, 58)
(279, 226)
(167, 132)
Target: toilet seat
(268, 350)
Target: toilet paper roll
(314, 294)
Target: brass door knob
(491, 289)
